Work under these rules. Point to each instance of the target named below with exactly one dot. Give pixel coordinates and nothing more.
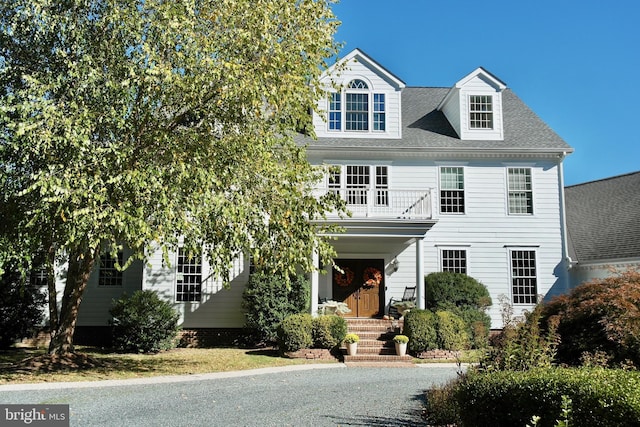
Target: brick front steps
(376, 342)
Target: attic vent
(357, 84)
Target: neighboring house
(603, 223)
(465, 179)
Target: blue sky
(575, 63)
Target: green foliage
(143, 323)
(523, 345)
(600, 316)
(599, 397)
(268, 299)
(442, 408)
(148, 122)
(21, 306)
(295, 332)
(465, 297)
(401, 339)
(451, 331)
(420, 327)
(328, 331)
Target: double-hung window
(524, 280)
(454, 260)
(108, 274)
(379, 119)
(480, 112)
(451, 190)
(335, 111)
(520, 191)
(188, 276)
(358, 181)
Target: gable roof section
(478, 72)
(373, 65)
(425, 128)
(603, 219)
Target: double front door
(360, 285)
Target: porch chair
(408, 296)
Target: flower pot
(352, 348)
(401, 348)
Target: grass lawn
(26, 365)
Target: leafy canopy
(143, 121)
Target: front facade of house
(465, 179)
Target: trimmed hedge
(451, 331)
(328, 331)
(420, 327)
(295, 332)
(143, 323)
(599, 397)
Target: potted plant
(401, 344)
(351, 341)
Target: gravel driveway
(315, 395)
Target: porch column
(420, 291)
(315, 283)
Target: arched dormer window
(361, 110)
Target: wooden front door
(360, 286)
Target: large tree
(150, 122)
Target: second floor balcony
(384, 203)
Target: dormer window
(362, 110)
(480, 112)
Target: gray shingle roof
(603, 218)
(424, 127)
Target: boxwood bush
(295, 332)
(451, 331)
(598, 397)
(143, 323)
(420, 327)
(328, 331)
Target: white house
(465, 178)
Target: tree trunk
(51, 288)
(80, 267)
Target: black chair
(408, 296)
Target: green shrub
(599, 397)
(295, 332)
(446, 290)
(143, 323)
(478, 325)
(351, 338)
(21, 307)
(522, 346)
(442, 408)
(603, 316)
(267, 300)
(328, 331)
(451, 331)
(420, 327)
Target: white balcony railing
(385, 203)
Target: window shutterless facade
(524, 279)
(108, 274)
(188, 277)
(454, 260)
(520, 191)
(357, 109)
(356, 184)
(481, 112)
(451, 190)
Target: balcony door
(360, 285)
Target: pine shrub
(143, 323)
(267, 300)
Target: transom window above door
(357, 109)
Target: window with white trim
(357, 109)
(382, 186)
(520, 191)
(480, 112)
(108, 273)
(188, 276)
(39, 276)
(358, 182)
(454, 260)
(335, 111)
(524, 280)
(451, 190)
